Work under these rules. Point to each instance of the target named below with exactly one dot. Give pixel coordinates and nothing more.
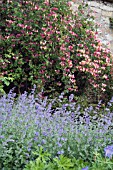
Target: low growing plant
(61, 163)
(64, 163)
(28, 123)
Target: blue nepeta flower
(60, 152)
(108, 151)
(111, 100)
(86, 168)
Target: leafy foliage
(45, 43)
(61, 163)
(64, 163)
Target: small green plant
(65, 163)
(101, 162)
(58, 163)
(41, 162)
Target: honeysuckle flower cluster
(46, 43)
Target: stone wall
(102, 12)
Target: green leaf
(63, 162)
(7, 55)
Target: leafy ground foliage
(45, 43)
(34, 136)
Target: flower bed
(48, 45)
(31, 131)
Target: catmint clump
(29, 122)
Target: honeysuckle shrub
(45, 43)
(28, 123)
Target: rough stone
(102, 12)
(97, 10)
(107, 13)
(107, 8)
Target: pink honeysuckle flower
(36, 7)
(54, 9)
(70, 47)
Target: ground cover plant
(45, 43)
(31, 131)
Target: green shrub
(46, 44)
(65, 163)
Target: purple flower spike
(86, 168)
(60, 152)
(111, 100)
(1, 136)
(109, 151)
(37, 133)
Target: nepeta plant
(45, 43)
(28, 123)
